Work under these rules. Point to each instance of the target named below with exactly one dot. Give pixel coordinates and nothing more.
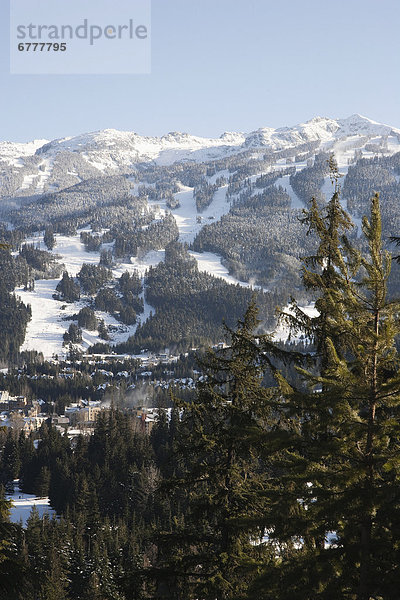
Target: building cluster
(146, 418)
(20, 413)
(25, 415)
(79, 418)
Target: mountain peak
(112, 151)
(358, 124)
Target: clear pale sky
(224, 65)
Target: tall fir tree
(11, 564)
(337, 494)
(323, 271)
(213, 549)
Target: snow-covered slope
(42, 166)
(22, 505)
(112, 149)
(320, 129)
(112, 152)
(50, 317)
(11, 152)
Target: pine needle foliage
(337, 494)
(214, 551)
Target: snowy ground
(141, 265)
(211, 263)
(40, 176)
(72, 253)
(22, 505)
(46, 329)
(285, 183)
(328, 188)
(189, 221)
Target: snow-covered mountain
(320, 129)
(35, 167)
(52, 166)
(11, 152)
(112, 149)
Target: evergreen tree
(73, 335)
(87, 318)
(102, 330)
(369, 382)
(326, 270)
(11, 462)
(42, 482)
(335, 523)
(54, 586)
(211, 550)
(68, 289)
(49, 238)
(11, 567)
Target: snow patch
(22, 505)
(282, 331)
(211, 263)
(284, 182)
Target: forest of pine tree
(279, 480)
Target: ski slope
(189, 221)
(211, 263)
(284, 182)
(50, 317)
(109, 150)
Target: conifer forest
(200, 367)
(277, 477)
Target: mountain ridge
(315, 127)
(34, 168)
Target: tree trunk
(366, 524)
